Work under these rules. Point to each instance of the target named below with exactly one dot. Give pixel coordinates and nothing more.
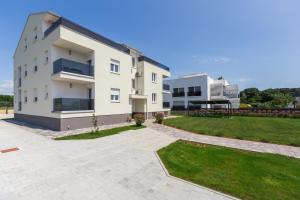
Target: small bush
(159, 117)
(139, 119)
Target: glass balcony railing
(19, 106)
(166, 104)
(72, 104)
(64, 65)
(194, 93)
(166, 87)
(178, 94)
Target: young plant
(159, 117)
(95, 124)
(139, 119)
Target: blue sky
(255, 43)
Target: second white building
(199, 88)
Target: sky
(253, 43)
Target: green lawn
(243, 174)
(99, 134)
(274, 130)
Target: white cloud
(6, 87)
(244, 80)
(216, 59)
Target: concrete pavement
(122, 166)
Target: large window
(154, 77)
(115, 66)
(154, 98)
(194, 91)
(178, 92)
(115, 95)
(178, 105)
(166, 104)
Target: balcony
(178, 94)
(68, 70)
(166, 88)
(64, 65)
(72, 104)
(166, 104)
(138, 94)
(194, 93)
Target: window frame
(154, 98)
(113, 98)
(154, 77)
(114, 64)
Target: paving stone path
(227, 142)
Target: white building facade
(199, 87)
(65, 73)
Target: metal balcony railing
(72, 104)
(64, 65)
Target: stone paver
(227, 142)
(122, 166)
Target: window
(115, 66)
(25, 71)
(194, 91)
(35, 95)
(133, 83)
(25, 96)
(35, 36)
(46, 92)
(35, 67)
(154, 77)
(154, 97)
(178, 92)
(25, 44)
(178, 105)
(166, 104)
(115, 95)
(133, 61)
(46, 57)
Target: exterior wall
(151, 87)
(71, 123)
(206, 82)
(72, 45)
(202, 81)
(105, 80)
(39, 79)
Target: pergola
(205, 110)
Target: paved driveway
(122, 166)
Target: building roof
(78, 28)
(144, 58)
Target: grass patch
(264, 129)
(243, 174)
(98, 134)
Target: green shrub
(159, 117)
(139, 119)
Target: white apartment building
(199, 88)
(65, 73)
